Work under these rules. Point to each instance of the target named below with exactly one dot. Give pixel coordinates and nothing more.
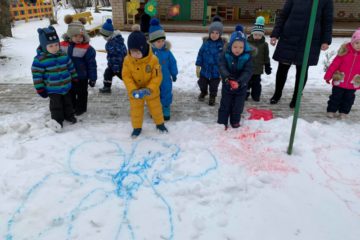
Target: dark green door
(185, 10)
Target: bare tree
(5, 19)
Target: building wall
(118, 11)
(343, 9)
(197, 9)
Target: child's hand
(92, 83)
(268, 69)
(328, 81)
(43, 94)
(198, 69)
(141, 93)
(174, 78)
(233, 84)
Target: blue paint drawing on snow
(141, 168)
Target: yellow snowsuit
(143, 73)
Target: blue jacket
(83, 56)
(169, 72)
(52, 73)
(116, 52)
(236, 68)
(208, 57)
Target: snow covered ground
(91, 181)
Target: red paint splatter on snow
(336, 178)
(247, 148)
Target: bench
(86, 15)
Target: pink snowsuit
(346, 67)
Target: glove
(92, 83)
(198, 69)
(233, 84)
(43, 94)
(141, 93)
(268, 69)
(174, 79)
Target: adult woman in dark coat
(291, 31)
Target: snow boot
(136, 132)
(105, 90)
(162, 128)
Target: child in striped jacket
(53, 72)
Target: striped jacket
(83, 56)
(53, 73)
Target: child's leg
(68, 108)
(108, 76)
(166, 112)
(249, 87)
(347, 101)
(335, 99)
(256, 87)
(237, 107)
(73, 93)
(56, 108)
(203, 85)
(81, 106)
(225, 107)
(213, 87)
(155, 109)
(137, 112)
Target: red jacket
(345, 68)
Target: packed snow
(92, 181)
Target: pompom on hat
(259, 26)
(75, 27)
(156, 32)
(107, 28)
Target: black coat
(291, 29)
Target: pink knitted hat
(355, 36)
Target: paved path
(114, 107)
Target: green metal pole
(303, 72)
(205, 12)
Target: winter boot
(212, 101)
(105, 90)
(136, 132)
(71, 119)
(162, 128)
(201, 97)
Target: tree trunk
(5, 19)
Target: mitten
(233, 84)
(198, 69)
(92, 83)
(174, 78)
(141, 93)
(43, 94)
(356, 81)
(268, 69)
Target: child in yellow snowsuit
(142, 77)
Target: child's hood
(222, 38)
(345, 49)
(116, 34)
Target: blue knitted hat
(137, 40)
(238, 35)
(47, 36)
(259, 25)
(156, 31)
(107, 28)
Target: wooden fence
(25, 11)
